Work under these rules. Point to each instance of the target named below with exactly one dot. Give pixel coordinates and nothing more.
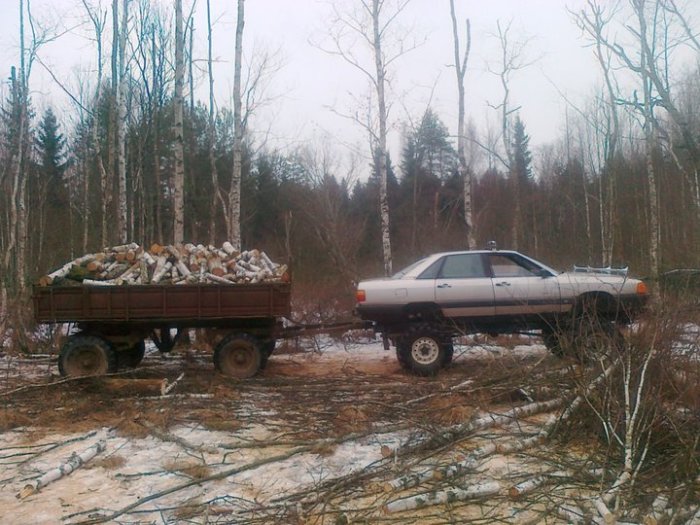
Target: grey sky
(310, 82)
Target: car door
(463, 287)
(520, 289)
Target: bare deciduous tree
(234, 197)
(179, 149)
(371, 22)
(461, 60)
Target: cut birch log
(133, 386)
(74, 462)
(481, 490)
(172, 264)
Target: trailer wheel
(424, 352)
(238, 355)
(132, 357)
(86, 355)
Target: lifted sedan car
(421, 308)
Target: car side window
(463, 266)
(504, 266)
(431, 271)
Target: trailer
(113, 322)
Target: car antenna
(491, 245)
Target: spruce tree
(51, 145)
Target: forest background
(146, 153)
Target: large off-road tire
(585, 339)
(401, 352)
(449, 354)
(423, 351)
(595, 339)
(555, 341)
(132, 357)
(86, 355)
(238, 355)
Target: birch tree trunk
(107, 175)
(464, 172)
(649, 142)
(216, 194)
(121, 127)
(155, 109)
(234, 200)
(15, 251)
(179, 182)
(382, 153)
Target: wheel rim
(425, 350)
(86, 360)
(238, 361)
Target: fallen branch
(74, 462)
(481, 490)
(166, 387)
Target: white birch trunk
(74, 462)
(382, 153)
(121, 127)
(481, 490)
(464, 172)
(234, 200)
(179, 148)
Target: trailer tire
(238, 355)
(424, 351)
(86, 355)
(132, 357)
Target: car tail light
(642, 288)
(361, 296)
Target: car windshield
(402, 273)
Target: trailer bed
(160, 303)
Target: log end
(27, 491)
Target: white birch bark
(481, 490)
(234, 197)
(382, 153)
(74, 462)
(216, 191)
(121, 126)
(179, 148)
(464, 172)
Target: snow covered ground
(324, 422)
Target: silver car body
(490, 285)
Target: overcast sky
(310, 82)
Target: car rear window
(463, 266)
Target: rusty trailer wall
(166, 303)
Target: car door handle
(504, 283)
(444, 285)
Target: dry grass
(351, 419)
(190, 469)
(112, 462)
(10, 419)
(449, 410)
(188, 510)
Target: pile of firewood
(172, 264)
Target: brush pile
(130, 264)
